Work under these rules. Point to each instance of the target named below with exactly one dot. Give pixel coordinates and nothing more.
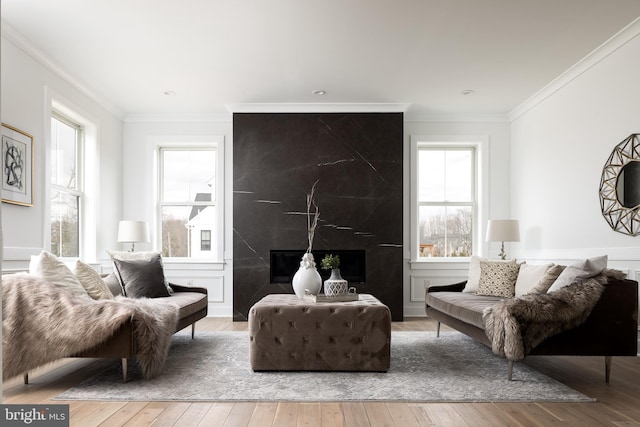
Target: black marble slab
(356, 159)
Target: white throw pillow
(474, 274)
(91, 281)
(50, 268)
(528, 276)
(579, 271)
(136, 256)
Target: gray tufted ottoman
(289, 334)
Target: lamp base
(502, 253)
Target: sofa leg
(438, 330)
(124, 370)
(193, 330)
(607, 368)
(26, 377)
(510, 375)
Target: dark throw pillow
(142, 278)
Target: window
(188, 209)
(205, 240)
(66, 186)
(446, 200)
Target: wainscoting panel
(418, 285)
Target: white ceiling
(212, 53)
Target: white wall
(498, 189)
(141, 134)
(27, 87)
(559, 147)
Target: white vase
(335, 285)
(307, 277)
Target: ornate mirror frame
(622, 219)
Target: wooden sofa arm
(455, 287)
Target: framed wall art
(17, 166)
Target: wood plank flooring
(618, 403)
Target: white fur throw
(515, 326)
(42, 323)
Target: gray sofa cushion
(188, 302)
(142, 278)
(465, 306)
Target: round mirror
(620, 187)
(628, 185)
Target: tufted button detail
(292, 324)
(332, 310)
(276, 310)
(347, 355)
(277, 340)
(305, 340)
(305, 309)
(332, 340)
(348, 324)
(292, 355)
(318, 325)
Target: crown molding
(9, 33)
(179, 118)
(607, 48)
(457, 118)
(318, 108)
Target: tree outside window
(66, 139)
(446, 201)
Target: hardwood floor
(618, 403)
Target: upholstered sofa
(57, 310)
(610, 328)
(192, 305)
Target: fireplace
(357, 160)
(285, 263)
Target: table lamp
(503, 230)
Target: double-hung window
(66, 185)
(188, 208)
(446, 210)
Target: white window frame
(86, 183)
(186, 143)
(481, 145)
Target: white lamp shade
(503, 230)
(133, 231)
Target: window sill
(440, 263)
(172, 263)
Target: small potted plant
(330, 262)
(335, 285)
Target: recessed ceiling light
(169, 92)
(467, 92)
(318, 92)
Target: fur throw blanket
(515, 326)
(42, 323)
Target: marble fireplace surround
(357, 159)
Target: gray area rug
(424, 368)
